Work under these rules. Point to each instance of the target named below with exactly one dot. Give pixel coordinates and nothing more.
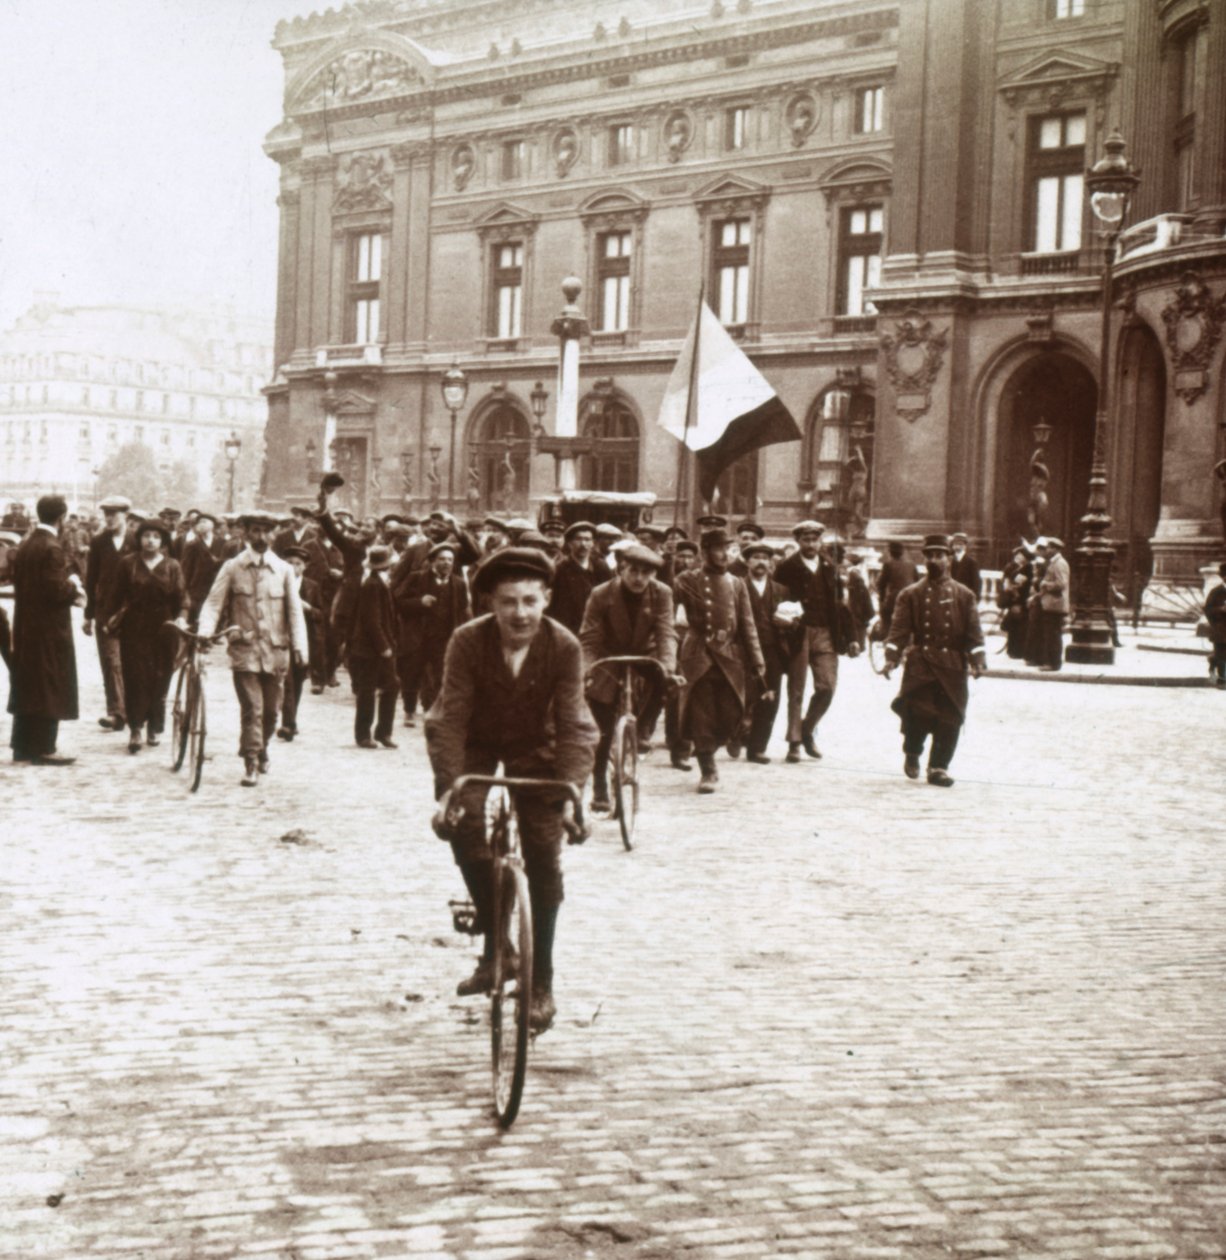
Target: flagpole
(689, 402)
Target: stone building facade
(882, 201)
(77, 383)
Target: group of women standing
(1018, 613)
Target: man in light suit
(257, 592)
(1053, 599)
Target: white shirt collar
(759, 584)
(49, 528)
(811, 565)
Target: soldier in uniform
(719, 650)
(936, 625)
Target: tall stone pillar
(570, 327)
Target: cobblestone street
(826, 1012)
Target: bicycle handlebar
(629, 660)
(201, 640)
(568, 790)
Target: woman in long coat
(150, 592)
(1013, 601)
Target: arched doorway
(1051, 389)
(837, 458)
(614, 462)
(500, 461)
(1141, 425)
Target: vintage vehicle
(625, 510)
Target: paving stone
(824, 1013)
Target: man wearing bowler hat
(719, 654)
(512, 695)
(936, 626)
(430, 604)
(371, 653)
(825, 633)
(257, 593)
(577, 573)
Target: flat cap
(636, 553)
(116, 503)
(576, 527)
(510, 564)
(807, 527)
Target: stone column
(570, 327)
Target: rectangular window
(621, 144)
(513, 159)
(1057, 165)
(613, 280)
(365, 274)
(870, 110)
(736, 127)
(730, 265)
(1066, 8)
(85, 397)
(861, 232)
(508, 290)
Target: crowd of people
(496, 630)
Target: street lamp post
(455, 390)
(233, 446)
(1110, 184)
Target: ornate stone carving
(678, 133)
(463, 164)
(565, 149)
(363, 181)
(363, 74)
(404, 155)
(801, 116)
(1193, 320)
(913, 355)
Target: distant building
(884, 200)
(79, 382)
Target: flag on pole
(719, 404)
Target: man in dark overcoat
(43, 688)
(577, 574)
(632, 615)
(371, 654)
(936, 625)
(826, 632)
(1215, 615)
(964, 568)
(430, 605)
(765, 596)
(897, 573)
(108, 546)
(719, 653)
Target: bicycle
(511, 987)
(624, 748)
(188, 727)
(877, 634)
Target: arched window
(499, 459)
(614, 461)
(736, 491)
(839, 458)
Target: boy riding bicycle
(512, 694)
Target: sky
(131, 167)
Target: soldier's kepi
(936, 625)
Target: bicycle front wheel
(625, 753)
(180, 725)
(196, 739)
(876, 647)
(511, 995)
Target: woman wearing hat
(1014, 593)
(150, 591)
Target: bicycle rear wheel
(511, 995)
(625, 753)
(196, 739)
(180, 724)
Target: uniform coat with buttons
(937, 625)
(720, 633)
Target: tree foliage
(132, 471)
